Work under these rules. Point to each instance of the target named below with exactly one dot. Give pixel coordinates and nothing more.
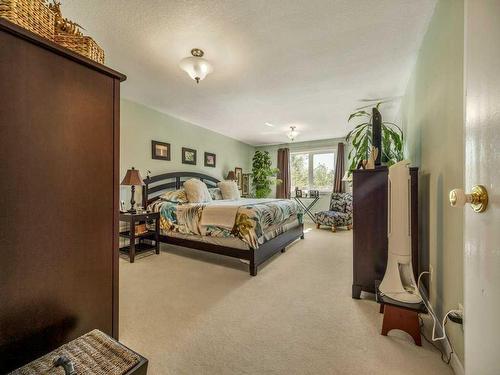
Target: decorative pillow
(215, 193)
(196, 191)
(175, 196)
(229, 189)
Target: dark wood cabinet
(370, 227)
(59, 146)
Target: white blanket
(222, 213)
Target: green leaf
(357, 137)
(392, 124)
(264, 176)
(358, 128)
(358, 114)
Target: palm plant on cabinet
(361, 138)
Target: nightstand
(135, 221)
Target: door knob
(478, 198)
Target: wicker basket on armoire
(46, 20)
(68, 34)
(32, 15)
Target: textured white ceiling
(286, 62)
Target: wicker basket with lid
(93, 353)
(32, 15)
(67, 34)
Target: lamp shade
(196, 67)
(231, 176)
(133, 177)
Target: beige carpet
(194, 313)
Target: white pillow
(215, 193)
(197, 191)
(229, 190)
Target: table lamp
(132, 178)
(231, 176)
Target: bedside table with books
(138, 230)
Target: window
(312, 170)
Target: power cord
(443, 357)
(431, 311)
(420, 276)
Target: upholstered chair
(339, 214)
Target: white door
(482, 166)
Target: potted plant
(361, 139)
(263, 174)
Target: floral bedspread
(256, 221)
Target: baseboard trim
(455, 363)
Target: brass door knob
(478, 198)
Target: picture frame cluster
(163, 151)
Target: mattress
(252, 221)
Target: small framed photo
(210, 159)
(298, 193)
(160, 150)
(245, 191)
(314, 193)
(239, 177)
(188, 156)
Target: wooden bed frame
(155, 185)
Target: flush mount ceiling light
(196, 66)
(292, 134)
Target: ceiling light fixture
(196, 66)
(292, 134)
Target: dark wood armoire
(59, 146)
(369, 188)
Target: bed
(262, 228)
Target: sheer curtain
(283, 189)
(338, 185)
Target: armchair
(339, 214)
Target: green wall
(140, 124)
(432, 114)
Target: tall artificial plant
(361, 138)
(263, 174)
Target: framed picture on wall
(210, 159)
(160, 150)
(245, 191)
(188, 156)
(239, 177)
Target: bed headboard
(154, 186)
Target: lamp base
(132, 200)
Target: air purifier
(398, 282)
